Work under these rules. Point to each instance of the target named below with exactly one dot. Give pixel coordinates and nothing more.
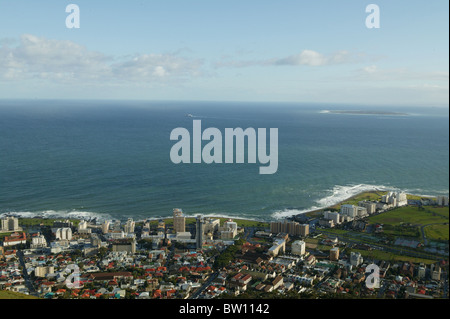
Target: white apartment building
(63, 234)
(334, 216)
(10, 224)
(129, 226)
(395, 199)
(105, 227)
(298, 248)
(349, 210)
(370, 206)
(38, 241)
(355, 259)
(179, 221)
(442, 200)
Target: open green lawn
(14, 295)
(437, 232)
(26, 222)
(412, 215)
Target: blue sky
(302, 51)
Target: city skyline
(254, 51)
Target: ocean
(111, 159)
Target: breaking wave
(336, 195)
(61, 214)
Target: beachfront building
(349, 210)
(129, 226)
(289, 227)
(442, 200)
(371, 207)
(361, 211)
(63, 234)
(199, 222)
(105, 227)
(229, 230)
(211, 226)
(10, 224)
(334, 216)
(395, 199)
(179, 221)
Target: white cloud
(306, 58)
(66, 61)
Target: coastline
(364, 195)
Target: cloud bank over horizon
(64, 63)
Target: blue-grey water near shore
(111, 159)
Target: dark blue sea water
(111, 159)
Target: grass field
(407, 221)
(412, 215)
(437, 232)
(26, 222)
(14, 295)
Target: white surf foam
(337, 194)
(61, 214)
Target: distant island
(356, 112)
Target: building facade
(179, 221)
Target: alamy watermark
(233, 146)
(73, 19)
(73, 279)
(373, 19)
(373, 280)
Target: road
(207, 283)
(28, 281)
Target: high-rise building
(64, 234)
(288, 227)
(334, 254)
(421, 272)
(298, 247)
(442, 200)
(199, 232)
(334, 216)
(356, 259)
(370, 206)
(105, 227)
(395, 199)
(129, 226)
(10, 224)
(211, 225)
(179, 221)
(229, 230)
(349, 210)
(82, 225)
(361, 211)
(38, 241)
(304, 230)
